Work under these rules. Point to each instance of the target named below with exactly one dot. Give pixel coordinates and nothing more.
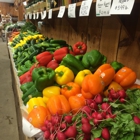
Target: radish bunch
(82, 125)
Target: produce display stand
(18, 94)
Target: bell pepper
(25, 87)
(34, 102)
(92, 85)
(44, 58)
(60, 53)
(106, 72)
(58, 104)
(81, 75)
(125, 77)
(70, 89)
(93, 59)
(35, 65)
(43, 77)
(50, 91)
(63, 75)
(76, 102)
(79, 48)
(53, 64)
(79, 57)
(116, 65)
(73, 63)
(26, 77)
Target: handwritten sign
(30, 15)
(71, 10)
(43, 14)
(103, 7)
(34, 16)
(50, 14)
(61, 11)
(122, 7)
(37, 15)
(85, 8)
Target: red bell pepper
(79, 48)
(26, 77)
(53, 64)
(44, 58)
(60, 53)
(36, 65)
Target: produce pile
(70, 93)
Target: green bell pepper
(25, 87)
(73, 63)
(116, 65)
(93, 59)
(43, 77)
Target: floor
(8, 116)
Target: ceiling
(7, 1)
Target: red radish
(68, 119)
(47, 122)
(87, 136)
(55, 119)
(105, 134)
(108, 116)
(113, 94)
(94, 105)
(86, 127)
(63, 126)
(103, 114)
(122, 100)
(71, 132)
(87, 109)
(44, 128)
(97, 139)
(99, 116)
(96, 121)
(84, 120)
(136, 119)
(47, 134)
(106, 107)
(89, 101)
(122, 93)
(94, 114)
(99, 99)
(61, 136)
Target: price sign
(61, 12)
(43, 14)
(122, 7)
(34, 16)
(103, 7)
(26, 16)
(37, 15)
(50, 14)
(71, 10)
(85, 8)
(30, 15)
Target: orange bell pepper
(106, 72)
(58, 104)
(70, 89)
(134, 86)
(76, 102)
(113, 85)
(125, 77)
(92, 85)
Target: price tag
(61, 12)
(71, 10)
(34, 16)
(122, 7)
(37, 15)
(26, 16)
(85, 8)
(50, 14)
(30, 15)
(43, 14)
(103, 7)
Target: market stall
(70, 82)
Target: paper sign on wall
(103, 7)
(71, 10)
(50, 14)
(61, 12)
(122, 7)
(43, 14)
(34, 16)
(37, 15)
(85, 8)
(26, 16)
(30, 15)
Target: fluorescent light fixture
(24, 3)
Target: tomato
(38, 116)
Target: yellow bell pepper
(49, 92)
(63, 75)
(34, 102)
(80, 76)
